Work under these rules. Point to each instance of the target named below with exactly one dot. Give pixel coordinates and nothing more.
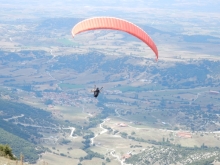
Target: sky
(168, 15)
(195, 5)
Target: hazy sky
(167, 14)
(196, 5)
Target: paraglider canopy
(115, 24)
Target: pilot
(96, 91)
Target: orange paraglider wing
(115, 24)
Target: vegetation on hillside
(20, 145)
(22, 126)
(176, 155)
(6, 151)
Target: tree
(48, 102)
(132, 133)
(124, 135)
(108, 160)
(38, 94)
(6, 151)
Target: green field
(139, 88)
(67, 42)
(70, 86)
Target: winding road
(14, 117)
(72, 130)
(103, 131)
(112, 151)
